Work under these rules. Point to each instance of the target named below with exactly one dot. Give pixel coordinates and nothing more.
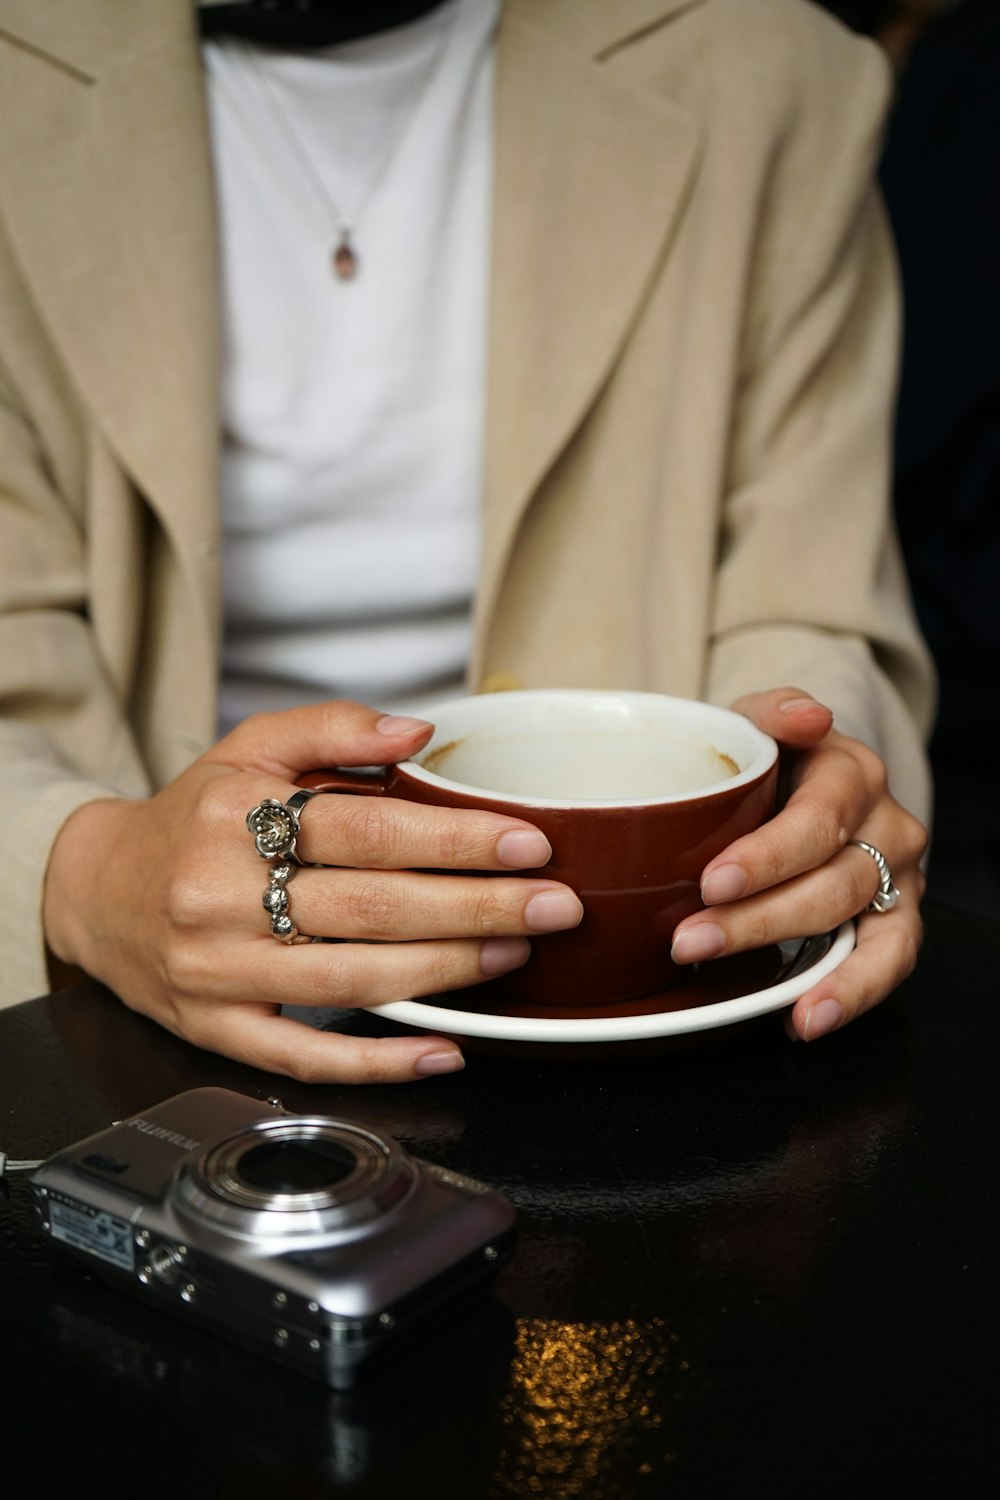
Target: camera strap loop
(8, 1165)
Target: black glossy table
(744, 1268)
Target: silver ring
(275, 901)
(275, 825)
(887, 895)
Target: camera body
(314, 1241)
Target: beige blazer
(692, 354)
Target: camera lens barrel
(290, 1176)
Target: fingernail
(789, 1026)
(500, 955)
(438, 1062)
(695, 944)
(792, 705)
(823, 1017)
(399, 724)
(523, 847)
(724, 883)
(550, 911)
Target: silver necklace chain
(344, 256)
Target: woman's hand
(162, 899)
(799, 874)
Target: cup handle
(370, 783)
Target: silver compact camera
(312, 1240)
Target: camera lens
(295, 1176)
(296, 1166)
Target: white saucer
(807, 970)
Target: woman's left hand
(799, 874)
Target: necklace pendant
(345, 262)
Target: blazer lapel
(108, 199)
(589, 178)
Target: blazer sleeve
(63, 736)
(810, 588)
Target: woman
(636, 257)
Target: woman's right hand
(161, 899)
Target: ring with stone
(887, 895)
(275, 825)
(275, 901)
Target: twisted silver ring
(887, 895)
(275, 825)
(275, 900)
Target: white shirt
(352, 410)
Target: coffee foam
(581, 765)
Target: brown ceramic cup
(635, 792)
